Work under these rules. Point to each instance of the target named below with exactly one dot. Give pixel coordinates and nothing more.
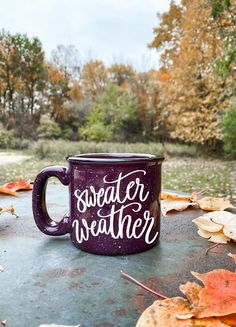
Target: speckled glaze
(94, 170)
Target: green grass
(183, 174)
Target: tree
(120, 74)
(22, 77)
(112, 117)
(94, 78)
(66, 59)
(57, 93)
(167, 34)
(189, 47)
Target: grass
(59, 149)
(179, 173)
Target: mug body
(114, 202)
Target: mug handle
(43, 221)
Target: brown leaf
(9, 209)
(191, 291)
(174, 196)
(169, 205)
(213, 204)
(165, 313)
(218, 296)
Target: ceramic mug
(114, 202)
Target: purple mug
(114, 202)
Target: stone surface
(47, 280)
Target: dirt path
(11, 158)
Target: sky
(109, 30)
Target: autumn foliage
(186, 99)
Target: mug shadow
(62, 246)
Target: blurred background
(120, 76)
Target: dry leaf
(218, 296)
(218, 226)
(167, 205)
(230, 229)
(165, 313)
(1, 268)
(219, 238)
(13, 187)
(221, 217)
(213, 204)
(205, 223)
(9, 209)
(7, 191)
(174, 196)
(174, 201)
(211, 305)
(19, 185)
(191, 291)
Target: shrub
(9, 141)
(229, 131)
(48, 128)
(59, 149)
(96, 131)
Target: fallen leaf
(9, 209)
(174, 196)
(211, 305)
(19, 185)
(165, 313)
(168, 205)
(1, 268)
(219, 238)
(213, 204)
(191, 291)
(205, 223)
(221, 217)
(229, 320)
(204, 233)
(218, 296)
(230, 229)
(7, 191)
(218, 226)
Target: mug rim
(114, 157)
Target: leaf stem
(212, 247)
(142, 285)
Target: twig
(211, 247)
(142, 285)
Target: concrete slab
(48, 280)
